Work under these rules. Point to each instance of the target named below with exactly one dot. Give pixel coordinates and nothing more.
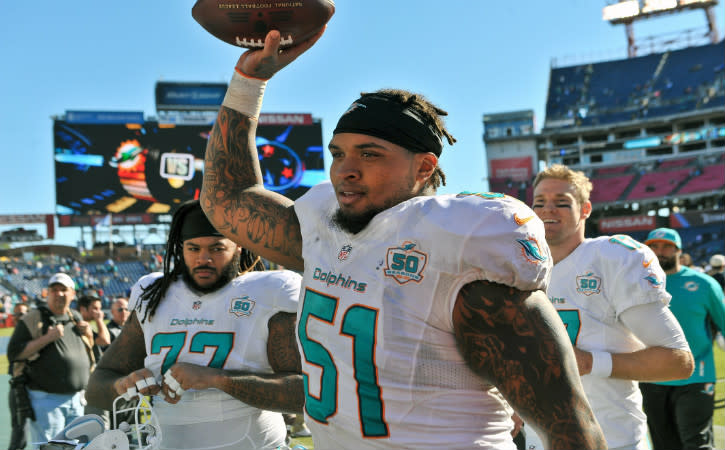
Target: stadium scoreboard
(631, 10)
(148, 168)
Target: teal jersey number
(359, 323)
(572, 322)
(222, 341)
(175, 343)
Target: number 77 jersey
(380, 364)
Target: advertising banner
(621, 224)
(516, 169)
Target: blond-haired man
(610, 293)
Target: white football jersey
(379, 357)
(225, 329)
(590, 288)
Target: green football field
(718, 419)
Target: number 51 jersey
(380, 364)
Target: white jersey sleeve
(640, 279)
(504, 239)
(285, 284)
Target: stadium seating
(655, 85)
(672, 163)
(616, 170)
(30, 278)
(711, 178)
(658, 184)
(611, 188)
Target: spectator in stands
(679, 412)
(53, 343)
(608, 291)
(17, 426)
(119, 315)
(717, 267)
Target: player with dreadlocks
(423, 318)
(212, 340)
(175, 267)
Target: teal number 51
(358, 323)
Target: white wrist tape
(245, 95)
(601, 364)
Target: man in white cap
(717, 266)
(679, 412)
(51, 360)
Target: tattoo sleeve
(515, 341)
(125, 355)
(283, 390)
(235, 200)
(282, 351)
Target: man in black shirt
(54, 345)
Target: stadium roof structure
(627, 12)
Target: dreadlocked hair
(432, 116)
(174, 265)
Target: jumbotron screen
(152, 168)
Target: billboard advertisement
(516, 169)
(151, 167)
(621, 224)
(189, 96)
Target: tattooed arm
(280, 391)
(123, 361)
(515, 341)
(233, 194)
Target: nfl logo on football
(241, 307)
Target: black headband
(197, 225)
(374, 115)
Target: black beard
(667, 263)
(229, 272)
(353, 223)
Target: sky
(469, 57)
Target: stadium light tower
(628, 11)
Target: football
(245, 23)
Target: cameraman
(51, 346)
